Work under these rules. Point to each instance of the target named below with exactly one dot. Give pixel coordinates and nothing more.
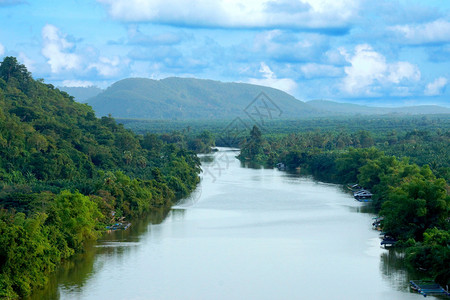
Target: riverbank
(413, 202)
(245, 234)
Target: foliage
(65, 175)
(432, 254)
(412, 198)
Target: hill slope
(65, 175)
(188, 98)
(81, 94)
(336, 108)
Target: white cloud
(29, 63)
(436, 87)
(236, 13)
(437, 31)
(335, 57)
(403, 71)
(370, 74)
(77, 83)
(2, 50)
(270, 79)
(58, 50)
(289, 46)
(136, 37)
(312, 70)
(106, 67)
(65, 58)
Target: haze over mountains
(331, 107)
(190, 98)
(82, 94)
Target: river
(243, 234)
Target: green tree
(417, 204)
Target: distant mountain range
(81, 94)
(331, 107)
(190, 98)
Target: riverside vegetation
(403, 160)
(412, 197)
(65, 175)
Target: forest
(408, 171)
(65, 175)
(403, 160)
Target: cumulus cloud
(436, 87)
(106, 67)
(313, 70)
(28, 62)
(271, 80)
(58, 50)
(290, 47)
(237, 13)
(399, 71)
(2, 50)
(437, 31)
(64, 57)
(369, 74)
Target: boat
(427, 288)
(363, 195)
(388, 241)
(377, 223)
(281, 166)
(119, 226)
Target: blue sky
(380, 52)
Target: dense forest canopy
(408, 173)
(65, 175)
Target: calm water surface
(244, 234)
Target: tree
(10, 69)
(76, 215)
(417, 204)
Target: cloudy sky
(392, 52)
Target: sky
(383, 53)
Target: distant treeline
(65, 175)
(399, 127)
(408, 173)
(403, 160)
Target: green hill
(189, 98)
(65, 175)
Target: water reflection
(396, 272)
(177, 214)
(248, 234)
(206, 158)
(365, 208)
(73, 274)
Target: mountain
(336, 108)
(81, 94)
(189, 98)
